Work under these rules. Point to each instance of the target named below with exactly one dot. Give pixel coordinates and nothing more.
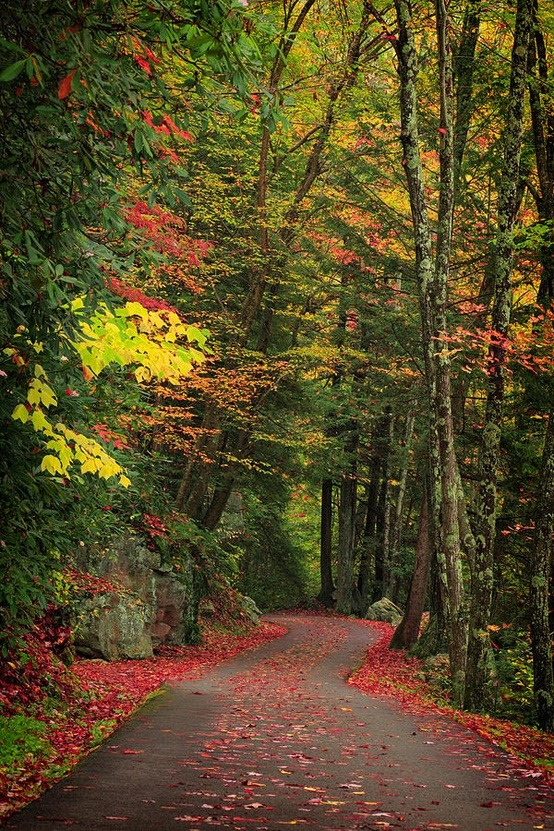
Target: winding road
(276, 738)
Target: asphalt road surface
(276, 739)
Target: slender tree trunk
(346, 531)
(464, 65)
(479, 657)
(371, 572)
(325, 596)
(407, 631)
(541, 588)
(541, 599)
(396, 534)
(542, 117)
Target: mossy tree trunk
(479, 658)
(432, 278)
(541, 588)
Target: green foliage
(272, 566)
(84, 89)
(514, 670)
(21, 738)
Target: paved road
(276, 739)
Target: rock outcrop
(142, 603)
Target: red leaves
(98, 696)
(166, 126)
(64, 89)
(391, 672)
(154, 526)
(143, 56)
(134, 295)
(167, 232)
(108, 435)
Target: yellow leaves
(150, 341)
(134, 335)
(41, 393)
(52, 465)
(39, 421)
(21, 413)
(67, 447)
(143, 374)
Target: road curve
(276, 738)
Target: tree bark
(432, 281)
(325, 595)
(396, 533)
(347, 523)
(479, 658)
(407, 631)
(541, 588)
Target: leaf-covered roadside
(397, 675)
(99, 697)
(103, 695)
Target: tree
(478, 676)
(85, 107)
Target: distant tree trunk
(464, 65)
(396, 533)
(478, 671)
(385, 509)
(373, 564)
(346, 531)
(345, 556)
(407, 631)
(325, 596)
(541, 588)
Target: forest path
(276, 738)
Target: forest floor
(113, 691)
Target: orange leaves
(64, 88)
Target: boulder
(250, 609)
(114, 627)
(385, 610)
(147, 603)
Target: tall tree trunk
(345, 554)
(346, 532)
(464, 65)
(541, 588)
(542, 117)
(432, 283)
(325, 595)
(541, 593)
(479, 658)
(371, 572)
